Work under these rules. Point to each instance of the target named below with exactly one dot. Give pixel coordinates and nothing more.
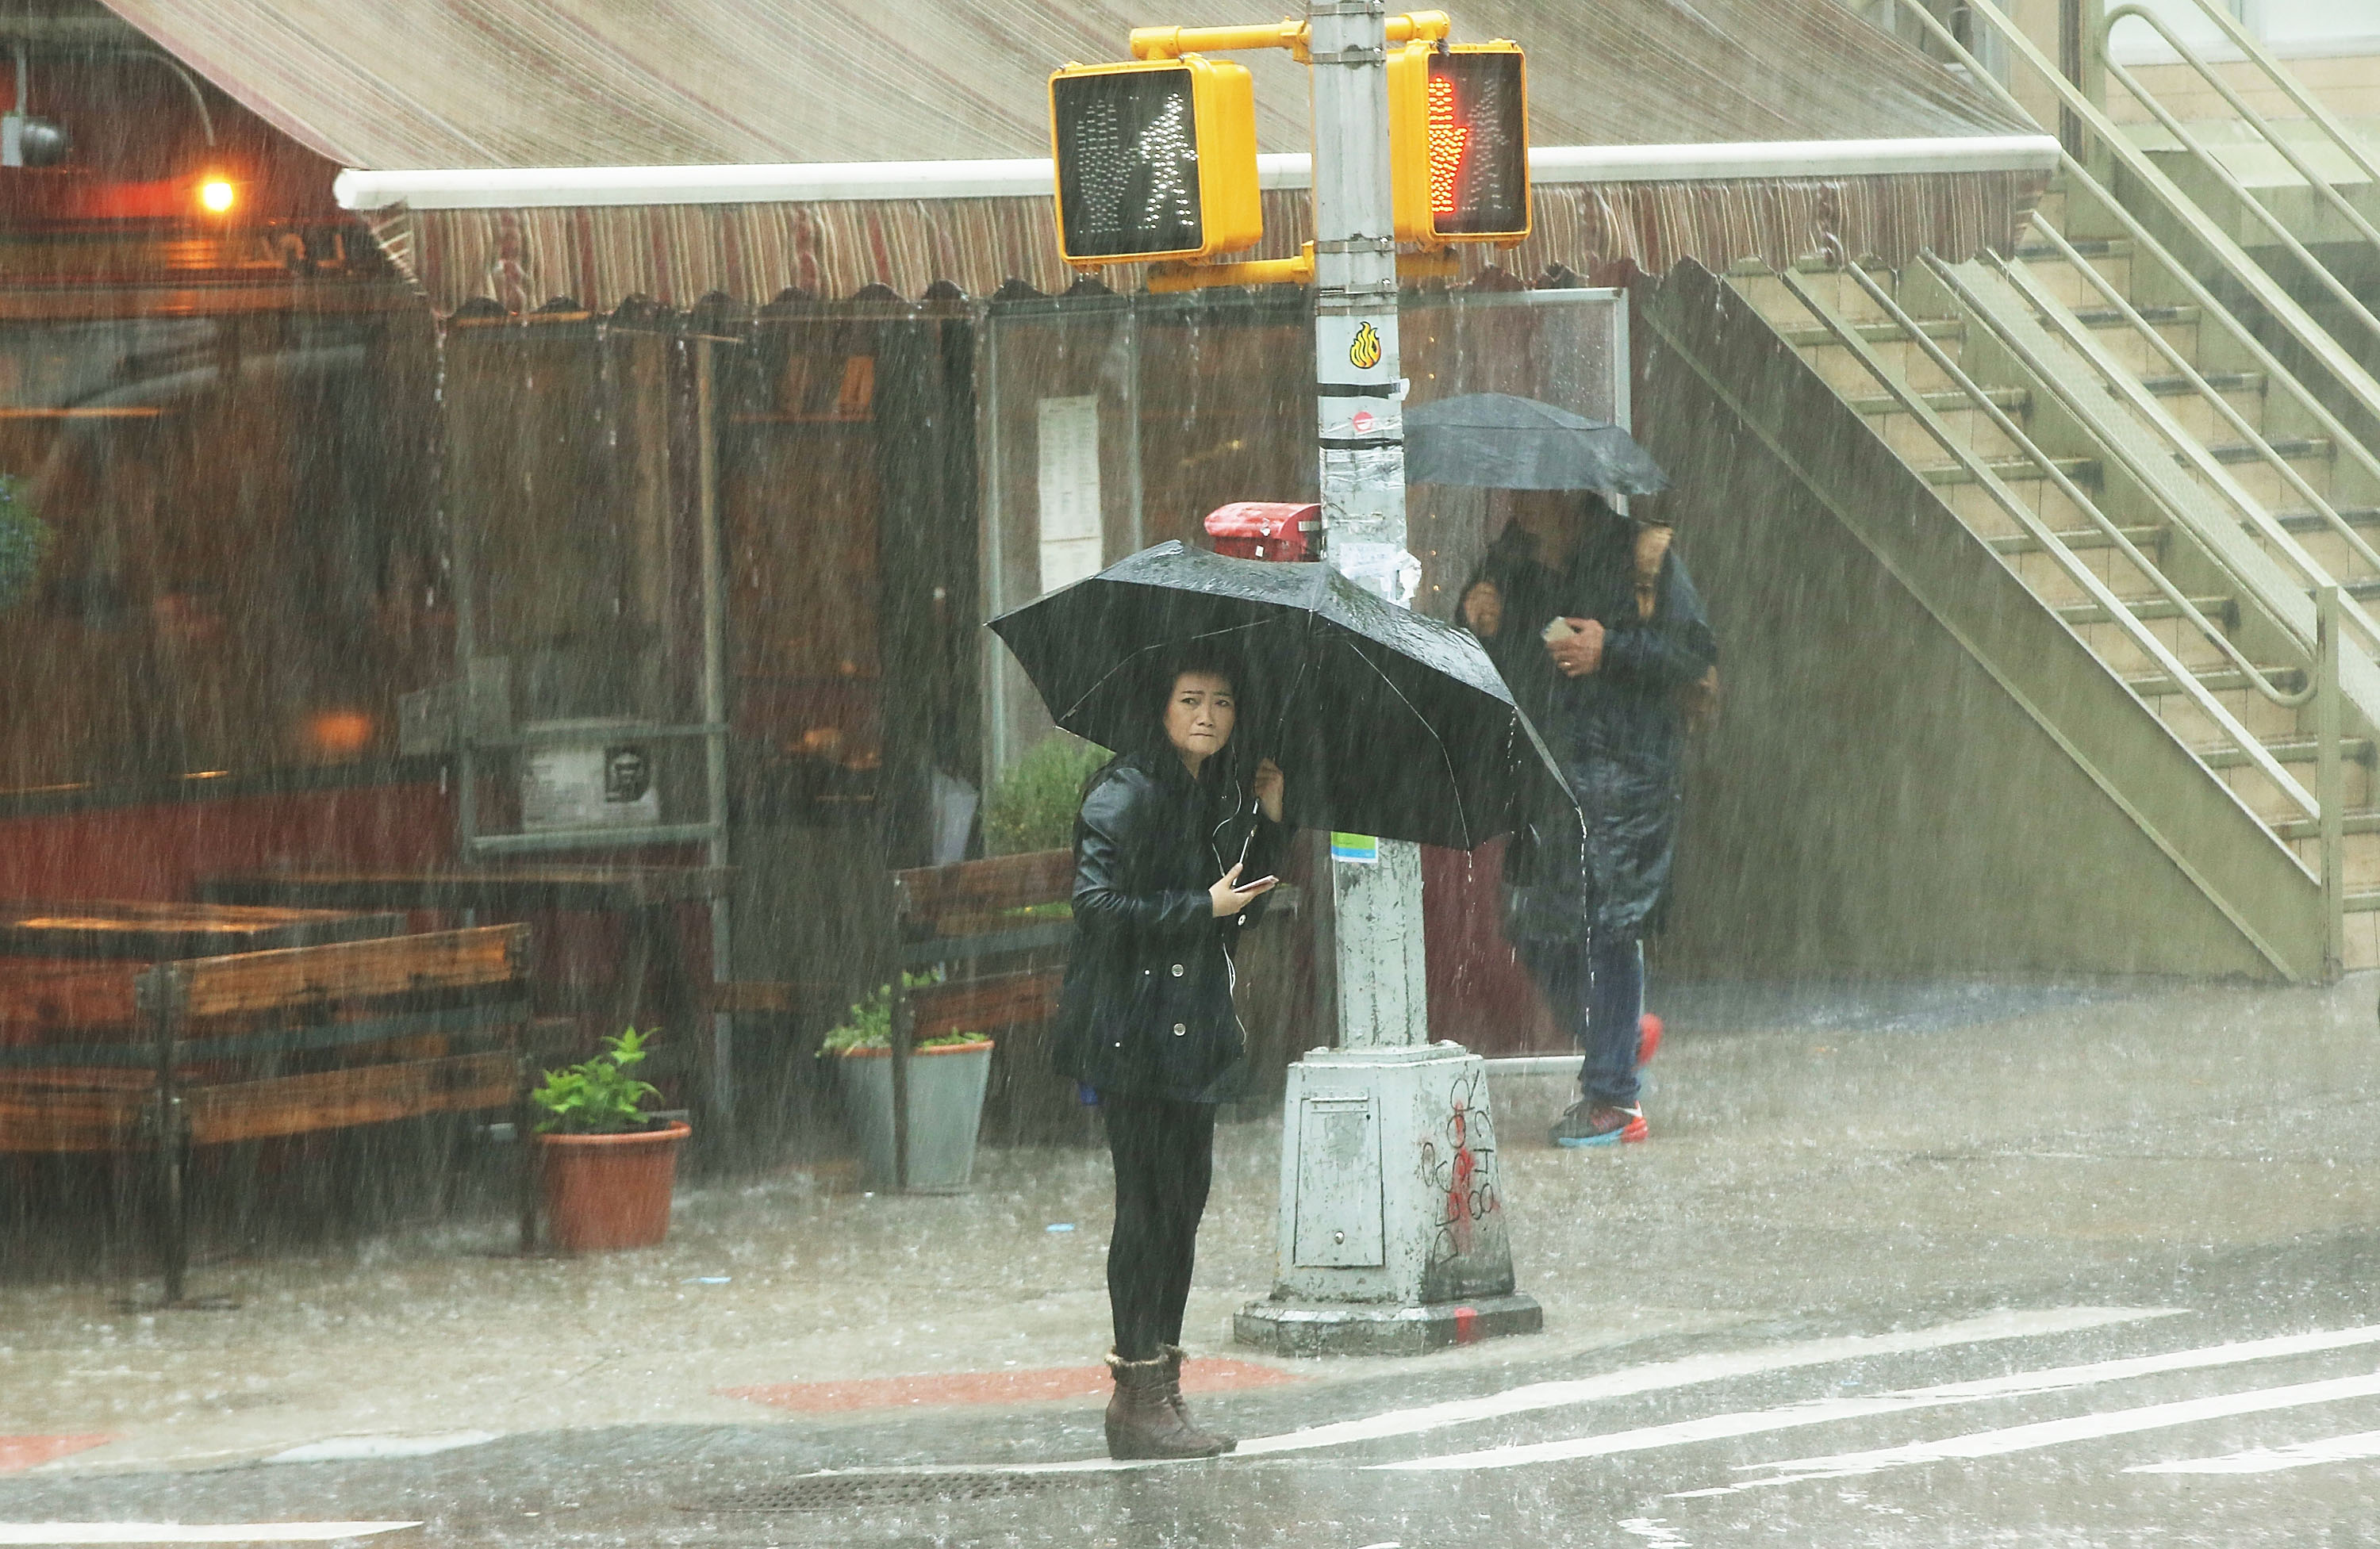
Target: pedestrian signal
(1156, 159)
(1459, 142)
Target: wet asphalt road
(2106, 1274)
(2219, 1361)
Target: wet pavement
(2041, 1265)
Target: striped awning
(1756, 120)
(676, 254)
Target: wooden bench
(209, 1051)
(999, 930)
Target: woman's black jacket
(1147, 1007)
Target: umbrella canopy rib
(1140, 656)
(1436, 742)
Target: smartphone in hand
(1560, 629)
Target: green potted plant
(1033, 803)
(947, 1077)
(605, 1166)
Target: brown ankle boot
(1142, 1421)
(1172, 1356)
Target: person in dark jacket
(1164, 839)
(1627, 649)
(1502, 604)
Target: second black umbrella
(1494, 440)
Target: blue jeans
(1596, 990)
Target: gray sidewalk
(1817, 1152)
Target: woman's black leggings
(1164, 1155)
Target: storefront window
(847, 503)
(245, 574)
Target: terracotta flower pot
(606, 1192)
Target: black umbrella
(1384, 722)
(1493, 441)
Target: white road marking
(1822, 1411)
(343, 1449)
(2296, 1455)
(2055, 1433)
(1658, 1376)
(1651, 1529)
(48, 1533)
(1654, 1377)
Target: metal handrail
(2268, 294)
(2251, 436)
(2089, 581)
(2066, 485)
(2340, 140)
(2330, 778)
(2256, 53)
(2224, 174)
(2040, 369)
(2143, 244)
(2308, 572)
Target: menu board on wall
(1071, 546)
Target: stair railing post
(2081, 44)
(2330, 780)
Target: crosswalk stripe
(52, 1533)
(2055, 1433)
(1822, 1411)
(1655, 1376)
(352, 1449)
(1720, 1367)
(2263, 1459)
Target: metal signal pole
(1392, 1234)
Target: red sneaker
(1648, 1039)
(1581, 1125)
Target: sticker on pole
(1368, 346)
(1356, 849)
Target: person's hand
(1229, 898)
(1700, 700)
(1267, 787)
(1581, 653)
(1483, 610)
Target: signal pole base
(1393, 1239)
(1279, 1328)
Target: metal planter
(946, 1087)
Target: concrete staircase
(2127, 469)
(2159, 463)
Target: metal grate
(833, 1492)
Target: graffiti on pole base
(1468, 1255)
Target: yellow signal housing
(1459, 142)
(1156, 160)
(1409, 126)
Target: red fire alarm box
(1266, 530)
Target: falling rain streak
(547, 951)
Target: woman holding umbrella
(1398, 726)
(1166, 836)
